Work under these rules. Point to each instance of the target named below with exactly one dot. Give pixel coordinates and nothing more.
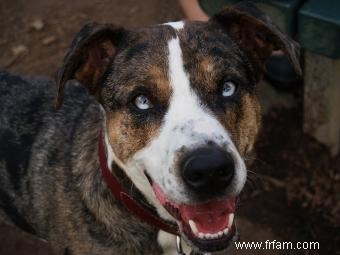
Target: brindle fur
(51, 185)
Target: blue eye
(142, 102)
(229, 89)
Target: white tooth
(208, 236)
(220, 233)
(230, 220)
(193, 226)
(225, 231)
(201, 235)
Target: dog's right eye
(229, 89)
(142, 102)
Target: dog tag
(179, 246)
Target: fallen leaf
(48, 40)
(37, 24)
(19, 50)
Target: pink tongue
(210, 217)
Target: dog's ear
(256, 34)
(90, 54)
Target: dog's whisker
(257, 160)
(251, 172)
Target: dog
(147, 143)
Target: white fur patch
(176, 25)
(167, 242)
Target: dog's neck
(110, 222)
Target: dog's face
(181, 110)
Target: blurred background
(293, 189)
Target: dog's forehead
(207, 52)
(203, 44)
(192, 34)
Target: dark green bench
(319, 35)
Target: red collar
(127, 201)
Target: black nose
(208, 170)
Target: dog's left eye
(229, 89)
(142, 102)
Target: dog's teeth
(230, 220)
(193, 226)
(213, 236)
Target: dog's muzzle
(208, 223)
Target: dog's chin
(206, 227)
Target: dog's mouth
(208, 226)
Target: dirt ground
(293, 189)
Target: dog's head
(181, 110)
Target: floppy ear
(256, 34)
(89, 56)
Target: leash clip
(179, 246)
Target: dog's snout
(208, 170)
